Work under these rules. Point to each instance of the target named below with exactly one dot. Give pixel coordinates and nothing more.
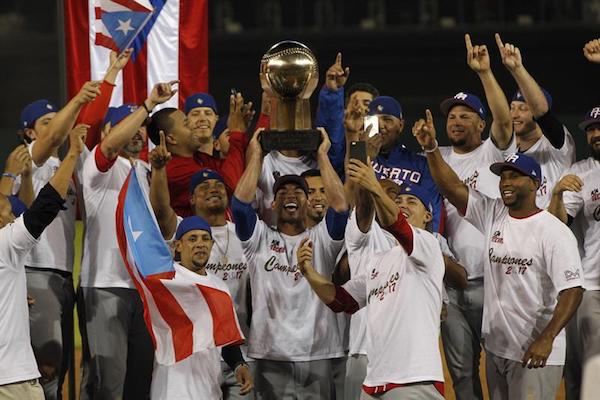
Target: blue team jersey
(405, 166)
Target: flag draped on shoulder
(184, 312)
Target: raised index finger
(338, 59)
(499, 41)
(162, 139)
(429, 116)
(468, 42)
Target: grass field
(78, 241)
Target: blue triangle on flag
(123, 26)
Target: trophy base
(299, 140)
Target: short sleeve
(15, 243)
(355, 238)
(426, 249)
(573, 202)
(561, 255)
(357, 288)
(479, 209)
(93, 175)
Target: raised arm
(531, 91)
(478, 60)
(159, 189)
(591, 51)
(16, 164)
(62, 177)
(122, 133)
(557, 207)
(539, 351)
(445, 178)
(246, 187)
(62, 123)
(334, 189)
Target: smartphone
(372, 120)
(358, 150)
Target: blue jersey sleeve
(330, 115)
(245, 218)
(336, 223)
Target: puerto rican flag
(172, 45)
(184, 312)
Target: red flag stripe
(131, 4)
(135, 78)
(77, 46)
(193, 48)
(223, 316)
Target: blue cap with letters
(203, 175)
(200, 100)
(465, 99)
(519, 97)
(521, 163)
(193, 223)
(34, 111)
(385, 105)
(114, 115)
(591, 117)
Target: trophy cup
(289, 73)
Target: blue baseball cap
(204, 175)
(385, 105)
(220, 126)
(200, 100)
(518, 96)
(114, 115)
(419, 192)
(18, 207)
(193, 223)
(33, 111)
(520, 163)
(293, 179)
(591, 117)
(465, 99)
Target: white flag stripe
(163, 50)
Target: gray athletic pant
(118, 354)
(461, 335)
(51, 326)
(583, 341)
(293, 380)
(230, 387)
(356, 372)
(509, 380)
(410, 392)
(338, 366)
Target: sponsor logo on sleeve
(571, 275)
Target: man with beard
(208, 198)
(532, 273)
(118, 352)
(316, 200)
(293, 337)
(470, 158)
(539, 133)
(189, 140)
(19, 371)
(577, 197)
(197, 376)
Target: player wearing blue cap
(538, 132)
(577, 195)
(293, 337)
(118, 364)
(470, 156)
(533, 278)
(208, 198)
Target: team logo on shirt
(543, 190)
(471, 181)
(272, 265)
(276, 247)
(595, 195)
(512, 265)
(597, 213)
(572, 275)
(227, 271)
(497, 238)
(388, 287)
(374, 273)
(398, 175)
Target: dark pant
(118, 354)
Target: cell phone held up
(373, 122)
(358, 150)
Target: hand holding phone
(373, 121)
(358, 151)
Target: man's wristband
(9, 175)
(431, 150)
(146, 107)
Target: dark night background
(412, 50)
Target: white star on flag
(136, 234)
(125, 26)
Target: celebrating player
(532, 273)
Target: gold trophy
(290, 74)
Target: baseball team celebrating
(343, 274)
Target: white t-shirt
(274, 165)
(403, 297)
(289, 322)
(529, 261)
(361, 248)
(553, 162)
(17, 362)
(195, 377)
(102, 265)
(588, 201)
(473, 168)
(228, 262)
